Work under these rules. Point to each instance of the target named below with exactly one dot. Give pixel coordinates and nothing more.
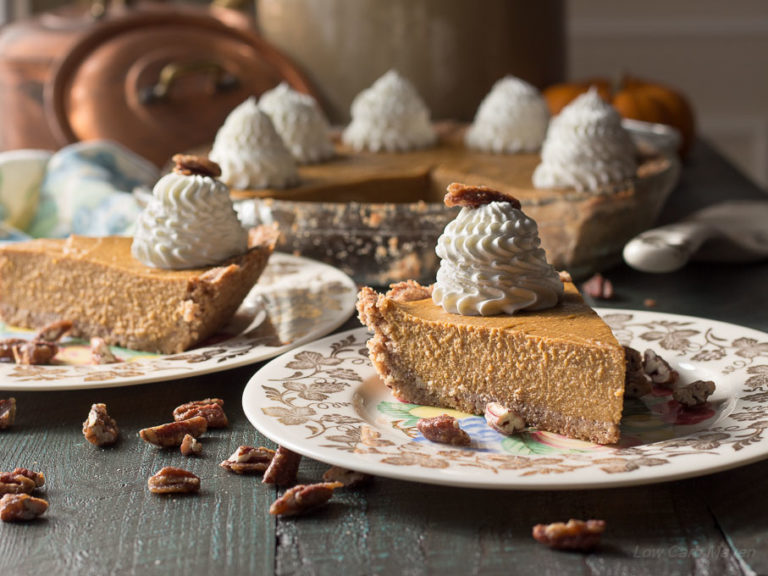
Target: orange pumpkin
(633, 98)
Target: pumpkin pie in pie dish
(375, 209)
(170, 287)
(499, 325)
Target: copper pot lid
(161, 81)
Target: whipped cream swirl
(586, 148)
(251, 153)
(299, 122)
(188, 223)
(390, 116)
(492, 263)
(511, 118)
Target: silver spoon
(734, 231)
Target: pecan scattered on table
(598, 287)
(302, 498)
(7, 412)
(659, 370)
(101, 353)
(54, 331)
(575, 535)
(443, 429)
(100, 429)
(283, 468)
(172, 433)
(34, 352)
(248, 460)
(173, 480)
(212, 409)
(21, 507)
(636, 382)
(348, 478)
(11, 483)
(502, 419)
(695, 393)
(37, 477)
(190, 446)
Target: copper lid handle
(173, 71)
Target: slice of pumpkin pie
(499, 325)
(176, 283)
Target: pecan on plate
(348, 478)
(502, 419)
(190, 446)
(212, 409)
(172, 480)
(35, 352)
(7, 346)
(7, 412)
(574, 535)
(443, 429)
(636, 382)
(302, 498)
(172, 434)
(54, 331)
(100, 429)
(248, 460)
(283, 468)
(21, 507)
(695, 393)
(101, 353)
(659, 370)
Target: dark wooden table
(102, 519)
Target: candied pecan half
(575, 535)
(443, 429)
(695, 393)
(7, 346)
(636, 382)
(100, 429)
(212, 409)
(172, 434)
(302, 498)
(248, 460)
(188, 164)
(11, 483)
(502, 419)
(101, 353)
(54, 331)
(283, 468)
(474, 196)
(659, 370)
(21, 507)
(347, 478)
(7, 412)
(190, 446)
(37, 477)
(34, 352)
(173, 480)
(598, 287)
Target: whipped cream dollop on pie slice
(491, 257)
(586, 148)
(300, 123)
(512, 118)
(190, 221)
(250, 151)
(390, 116)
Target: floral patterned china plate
(296, 300)
(324, 400)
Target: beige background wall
(716, 51)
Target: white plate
(296, 300)
(324, 400)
